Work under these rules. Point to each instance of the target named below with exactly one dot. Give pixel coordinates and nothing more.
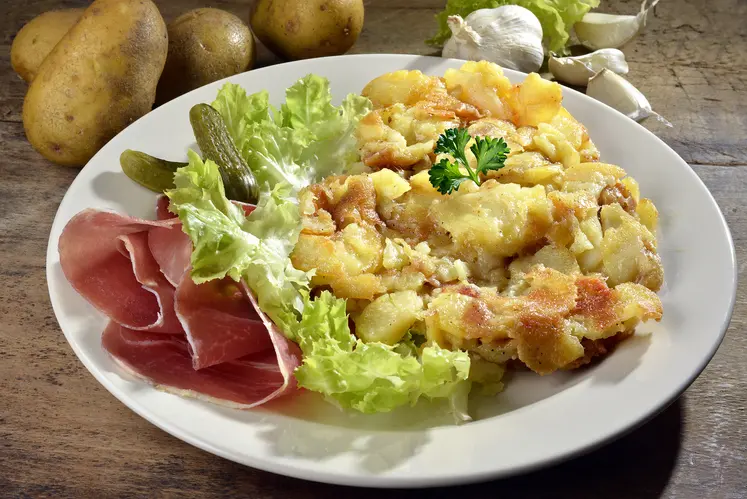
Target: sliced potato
(388, 318)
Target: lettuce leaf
(227, 243)
(307, 139)
(557, 17)
(239, 109)
(308, 104)
(336, 146)
(272, 152)
(280, 287)
(370, 377)
(221, 246)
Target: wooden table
(63, 435)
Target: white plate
(536, 421)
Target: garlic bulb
(599, 31)
(617, 92)
(510, 36)
(578, 70)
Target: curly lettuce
(305, 140)
(227, 243)
(371, 377)
(557, 17)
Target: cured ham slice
(221, 324)
(208, 341)
(105, 257)
(289, 354)
(162, 208)
(164, 361)
(172, 249)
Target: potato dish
(548, 263)
(413, 243)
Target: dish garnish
(417, 241)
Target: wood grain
(63, 435)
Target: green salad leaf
(221, 246)
(239, 109)
(370, 377)
(308, 105)
(272, 153)
(228, 243)
(557, 17)
(307, 139)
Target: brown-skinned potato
(37, 38)
(301, 29)
(98, 79)
(205, 45)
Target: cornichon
(217, 145)
(152, 173)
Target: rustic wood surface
(63, 435)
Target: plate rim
(385, 481)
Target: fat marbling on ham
(209, 341)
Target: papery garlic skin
(577, 70)
(598, 30)
(618, 93)
(510, 36)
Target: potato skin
(37, 38)
(98, 79)
(205, 45)
(301, 29)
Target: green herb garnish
(490, 153)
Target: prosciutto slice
(221, 324)
(164, 361)
(208, 341)
(105, 257)
(162, 208)
(172, 249)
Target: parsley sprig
(447, 176)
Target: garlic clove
(618, 93)
(577, 70)
(510, 36)
(598, 31)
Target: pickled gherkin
(217, 145)
(152, 173)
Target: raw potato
(98, 79)
(37, 38)
(301, 29)
(205, 45)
